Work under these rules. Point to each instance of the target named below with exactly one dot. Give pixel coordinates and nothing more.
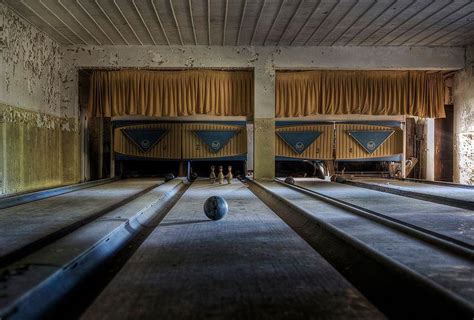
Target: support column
(464, 122)
(264, 122)
(3, 155)
(430, 149)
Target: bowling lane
(450, 221)
(442, 191)
(23, 224)
(248, 265)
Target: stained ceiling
(253, 22)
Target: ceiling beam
(61, 20)
(176, 22)
(421, 21)
(97, 24)
(159, 21)
(305, 22)
(451, 32)
(258, 21)
(144, 23)
(387, 23)
(290, 21)
(437, 22)
(46, 22)
(111, 22)
(79, 23)
(322, 21)
(241, 22)
(338, 22)
(128, 23)
(225, 21)
(209, 22)
(274, 20)
(354, 22)
(372, 20)
(192, 20)
(404, 22)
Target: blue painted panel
(284, 123)
(145, 139)
(121, 156)
(370, 140)
(299, 140)
(397, 157)
(230, 158)
(123, 123)
(215, 139)
(382, 123)
(281, 158)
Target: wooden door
(444, 146)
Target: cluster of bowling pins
(220, 176)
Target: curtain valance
(307, 93)
(170, 93)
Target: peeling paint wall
(38, 139)
(464, 122)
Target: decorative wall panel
(213, 140)
(317, 146)
(366, 141)
(168, 146)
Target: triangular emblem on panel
(145, 139)
(370, 140)
(215, 139)
(299, 140)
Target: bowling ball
(193, 176)
(290, 180)
(340, 179)
(216, 208)
(169, 177)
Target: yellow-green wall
(37, 150)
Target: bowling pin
(220, 176)
(212, 176)
(229, 175)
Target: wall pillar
(264, 123)
(430, 149)
(464, 122)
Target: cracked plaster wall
(464, 122)
(38, 138)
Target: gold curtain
(306, 93)
(170, 93)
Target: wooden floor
(445, 191)
(248, 265)
(447, 220)
(446, 269)
(24, 224)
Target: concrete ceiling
(253, 22)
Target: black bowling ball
(290, 180)
(193, 176)
(169, 177)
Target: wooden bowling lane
(461, 196)
(34, 222)
(248, 265)
(446, 220)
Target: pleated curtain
(307, 93)
(170, 93)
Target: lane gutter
(17, 199)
